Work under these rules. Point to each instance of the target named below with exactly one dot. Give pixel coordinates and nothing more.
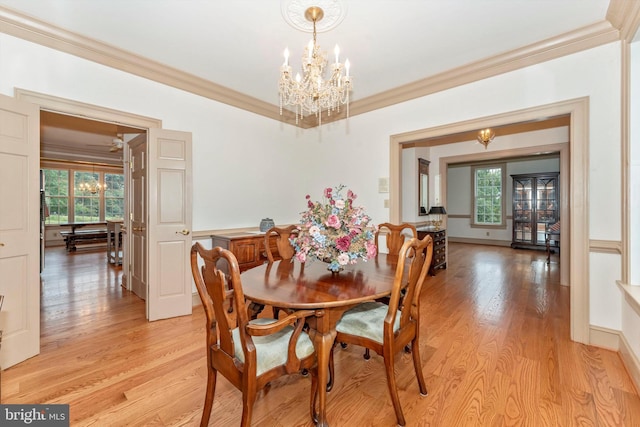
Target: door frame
(90, 112)
(577, 172)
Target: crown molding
(568, 43)
(621, 14)
(31, 29)
(624, 15)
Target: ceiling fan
(116, 144)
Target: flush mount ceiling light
(485, 136)
(311, 93)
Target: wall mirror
(423, 186)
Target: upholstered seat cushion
(366, 320)
(271, 350)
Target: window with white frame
(488, 195)
(75, 195)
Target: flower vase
(333, 266)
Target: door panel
(19, 230)
(169, 224)
(138, 216)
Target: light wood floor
(495, 348)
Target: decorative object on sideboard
(436, 213)
(266, 224)
(311, 93)
(485, 136)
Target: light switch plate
(383, 185)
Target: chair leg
(248, 399)
(415, 350)
(367, 354)
(314, 394)
(208, 399)
(393, 388)
(331, 369)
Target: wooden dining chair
(395, 235)
(388, 329)
(249, 354)
(284, 246)
(285, 249)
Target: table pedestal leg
(323, 344)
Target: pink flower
(343, 243)
(301, 256)
(372, 250)
(333, 221)
(351, 195)
(339, 204)
(310, 204)
(313, 230)
(343, 259)
(327, 192)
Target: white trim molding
(574, 194)
(606, 31)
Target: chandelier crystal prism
(311, 93)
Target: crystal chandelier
(311, 93)
(485, 136)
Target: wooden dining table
(311, 286)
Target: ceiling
(239, 44)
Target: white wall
(634, 164)
(630, 311)
(247, 167)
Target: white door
(136, 227)
(19, 230)
(169, 224)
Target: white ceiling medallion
(293, 11)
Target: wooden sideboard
(439, 237)
(248, 247)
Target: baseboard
(615, 341)
(489, 242)
(195, 299)
(604, 338)
(630, 361)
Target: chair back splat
(285, 249)
(396, 234)
(248, 353)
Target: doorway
(87, 132)
(575, 166)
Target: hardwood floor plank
(495, 349)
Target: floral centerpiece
(335, 231)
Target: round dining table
(311, 286)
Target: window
(68, 200)
(488, 196)
(86, 201)
(113, 196)
(56, 190)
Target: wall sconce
(437, 211)
(485, 136)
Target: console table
(248, 247)
(439, 237)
